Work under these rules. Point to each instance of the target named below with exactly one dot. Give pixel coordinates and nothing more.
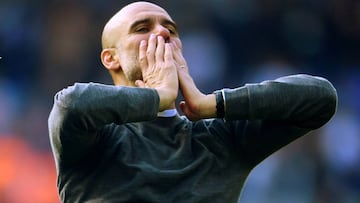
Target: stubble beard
(132, 71)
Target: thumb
(182, 106)
(187, 112)
(140, 83)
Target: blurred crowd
(48, 45)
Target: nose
(163, 31)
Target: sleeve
(278, 112)
(81, 110)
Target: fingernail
(143, 43)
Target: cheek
(134, 42)
(130, 49)
(129, 55)
(129, 52)
(132, 70)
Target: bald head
(121, 21)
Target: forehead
(142, 10)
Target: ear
(109, 59)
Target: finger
(188, 88)
(159, 56)
(168, 55)
(150, 52)
(177, 46)
(177, 43)
(142, 54)
(182, 106)
(140, 83)
(178, 57)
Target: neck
(119, 79)
(119, 82)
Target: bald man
(127, 143)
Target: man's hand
(196, 105)
(159, 70)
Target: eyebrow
(169, 22)
(149, 20)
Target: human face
(138, 22)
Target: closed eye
(172, 31)
(140, 26)
(171, 26)
(142, 30)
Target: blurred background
(48, 45)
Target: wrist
(208, 106)
(166, 100)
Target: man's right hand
(159, 70)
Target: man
(127, 143)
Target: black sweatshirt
(110, 146)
